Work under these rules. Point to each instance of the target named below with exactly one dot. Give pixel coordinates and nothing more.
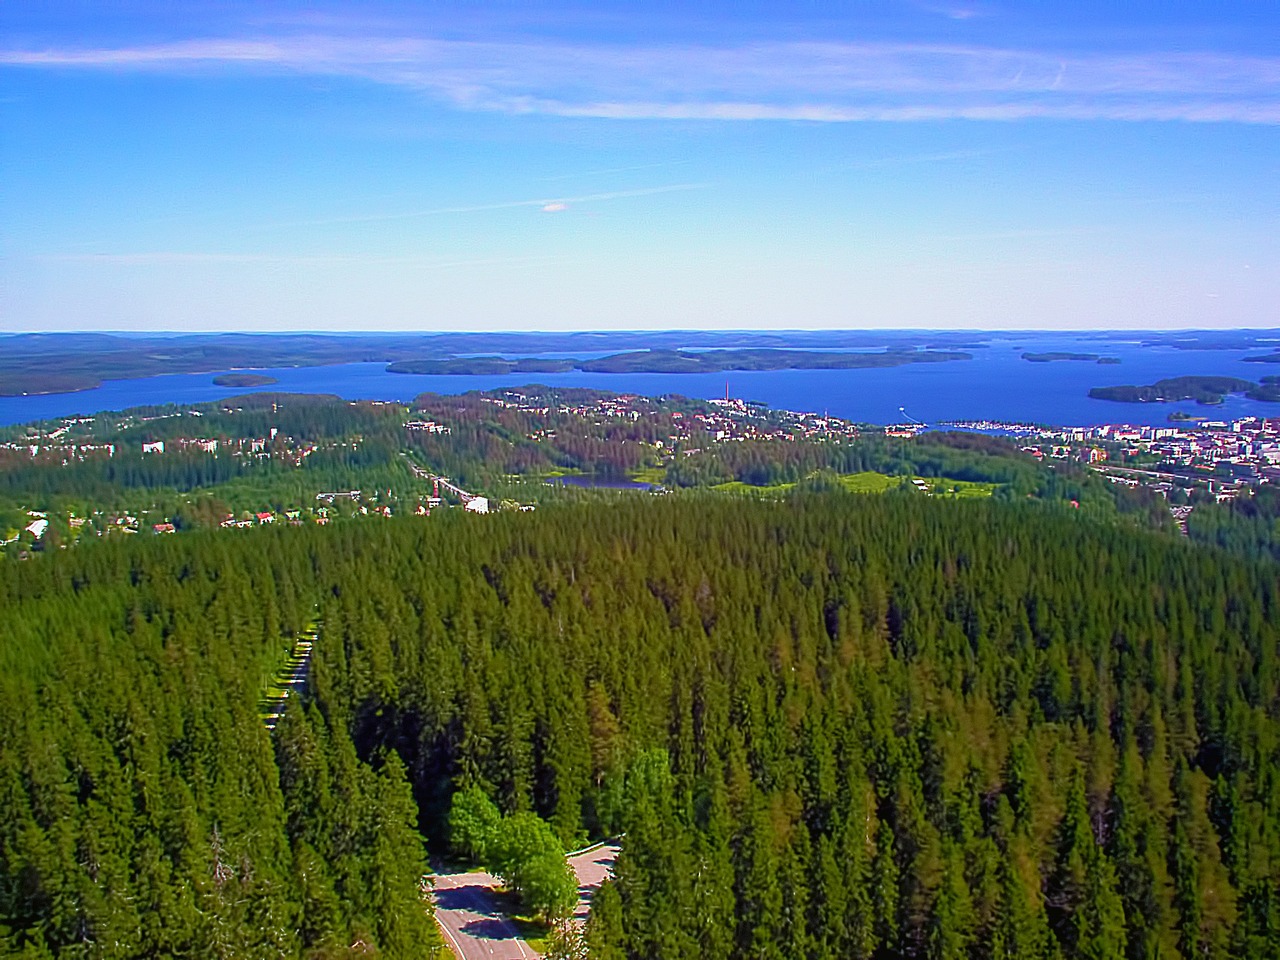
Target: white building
(478, 505)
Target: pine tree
(1021, 929)
(1205, 898)
(885, 891)
(950, 930)
(605, 933)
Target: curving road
(592, 868)
(470, 913)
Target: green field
(946, 487)
(871, 482)
(737, 486)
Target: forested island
(1054, 356)
(681, 361)
(1267, 389)
(36, 363)
(481, 366)
(240, 380)
(1203, 339)
(1205, 390)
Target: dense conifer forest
(831, 726)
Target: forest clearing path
(291, 678)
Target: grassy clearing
(737, 486)
(656, 475)
(866, 482)
(960, 489)
(869, 482)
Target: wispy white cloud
(540, 202)
(955, 11)
(805, 81)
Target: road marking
(449, 933)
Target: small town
(1182, 462)
(1223, 457)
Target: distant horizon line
(625, 331)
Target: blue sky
(468, 166)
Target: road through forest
(469, 908)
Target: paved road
(592, 868)
(470, 910)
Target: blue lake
(603, 483)
(997, 384)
